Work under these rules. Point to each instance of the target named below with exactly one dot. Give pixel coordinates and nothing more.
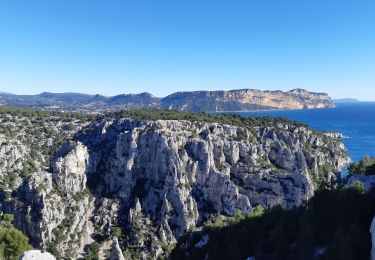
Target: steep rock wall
(148, 182)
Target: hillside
(346, 100)
(334, 224)
(234, 100)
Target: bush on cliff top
(364, 166)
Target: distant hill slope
(233, 100)
(346, 100)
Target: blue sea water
(355, 120)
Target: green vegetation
(131, 253)
(13, 242)
(93, 251)
(38, 113)
(230, 119)
(359, 186)
(218, 221)
(364, 166)
(35, 135)
(335, 221)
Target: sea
(355, 120)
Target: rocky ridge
(246, 100)
(140, 184)
(233, 100)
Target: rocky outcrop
(13, 152)
(116, 252)
(335, 135)
(149, 182)
(70, 167)
(36, 255)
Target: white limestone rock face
(70, 169)
(116, 252)
(55, 215)
(180, 172)
(36, 255)
(11, 153)
(157, 180)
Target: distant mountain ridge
(232, 100)
(346, 100)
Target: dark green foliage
(12, 242)
(93, 251)
(117, 232)
(8, 218)
(29, 166)
(38, 113)
(364, 166)
(230, 119)
(359, 186)
(336, 220)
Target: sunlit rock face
(37, 255)
(246, 100)
(156, 180)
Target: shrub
(93, 251)
(13, 242)
(364, 166)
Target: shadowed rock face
(156, 180)
(372, 231)
(234, 100)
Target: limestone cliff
(140, 184)
(246, 100)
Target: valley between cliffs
(132, 183)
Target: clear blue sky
(111, 47)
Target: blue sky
(111, 47)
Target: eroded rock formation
(144, 184)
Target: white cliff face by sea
(163, 178)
